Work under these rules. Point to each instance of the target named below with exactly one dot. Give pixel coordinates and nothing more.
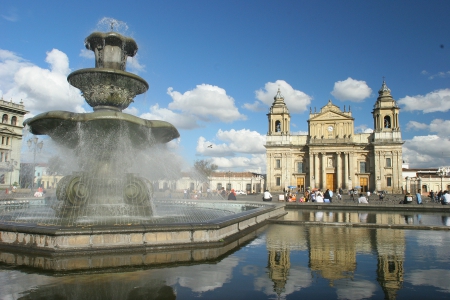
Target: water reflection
(281, 262)
(381, 218)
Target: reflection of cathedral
(279, 265)
(331, 155)
(391, 251)
(333, 251)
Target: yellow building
(332, 155)
(11, 128)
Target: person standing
(232, 195)
(445, 198)
(326, 196)
(368, 195)
(419, 196)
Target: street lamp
(34, 146)
(441, 173)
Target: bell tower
(279, 118)
(387, 143)
(385, 116)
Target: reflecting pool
(279, 262)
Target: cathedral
(332, 156)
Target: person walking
(419, 196)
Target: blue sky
(214, 66)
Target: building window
(389, 181)
(362, 167)
(219, 186)
(277, 126)
(278, 181)
(278, 163)
(14, 121)
(5, 118)
(7, 141)
(300, 167)
(387, 122)
(388, 162)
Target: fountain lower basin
(162, 231)
(68, 128)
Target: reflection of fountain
(107, 204)
(109, 89)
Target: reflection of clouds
(431, 242)
(202, 278)
(298, 278)
(437, 278)
(250, 270)
(14, 283)
(354, 289)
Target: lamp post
(441, 173)
(35, 146)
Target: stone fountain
(108, 89)
(105, 205)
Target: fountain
(108, 203)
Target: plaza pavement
(390, 201)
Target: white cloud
(207, 103)
(441, 127)
(432, 102)
(132, 111)
(251, 163)
(426, 151)
(413, 125)
(40, 89)
(134, 66)
(351, 90)
(85, 53)
(297, 101)
(235, 141)
(363, 129)
(180, 121)
(440, 75)
(255, 106)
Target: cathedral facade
(332, 155)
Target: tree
(205, 167)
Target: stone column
(346, 169)
(338, 170)
(311, 169)
(324, 174)
(351, 166)
(316, 169)
(408, 183)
